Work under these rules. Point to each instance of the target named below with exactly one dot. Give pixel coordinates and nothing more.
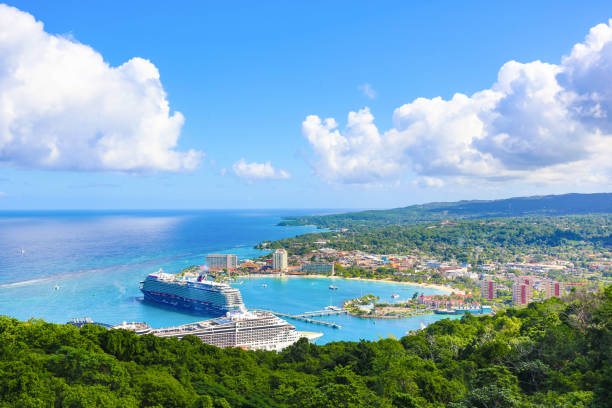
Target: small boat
(264, 285)
(332, 287)
(395, 296)
(22, 251)
(56, 287)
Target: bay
(61, 264)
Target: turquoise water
(96, 260)
(295, 295)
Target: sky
(192, 104)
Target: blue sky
(245, 78)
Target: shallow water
(78, 264)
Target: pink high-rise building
(522, 290)
(488, 289)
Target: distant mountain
(549, 205)
(521, 206)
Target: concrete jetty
(306, 318)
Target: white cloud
(429, 182)
(63, 107)
(258, 171)
(539, 122)
(367, 90)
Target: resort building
(318, 268)
(221, 261)
(279, 260)
(488, 289)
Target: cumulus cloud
(538, 122)
(258, 171)
(429, 182)
(367, 90)
(63, 107)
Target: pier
(323, 313)
(306, 317)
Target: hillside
(551, 354)
(550, 205)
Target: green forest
(473, 241)
(551, 354)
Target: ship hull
(192, 305)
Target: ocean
(56, 265)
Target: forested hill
(548, 355)
(550, 205)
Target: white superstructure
(251, 330)
(191, 292)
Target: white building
(222, 261)
(279, 260)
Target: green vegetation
(472, 241)
(193, 269)
(369, 306)
(550, 354)
(552, 205)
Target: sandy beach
(444, 288)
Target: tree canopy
(550, 354)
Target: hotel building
(279, 260)
(221, 261)
(318, 268)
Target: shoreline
(390, 317)
(447, 289)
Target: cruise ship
(250, 330)
(192, 292)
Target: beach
(444, 288)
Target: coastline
(447, 289)
(390, 317)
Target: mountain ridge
(541, 205)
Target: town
(496, 285)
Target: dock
(323, 313)
(306, 317)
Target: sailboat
(331, 306)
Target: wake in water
(81, 272)
(26, 282)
